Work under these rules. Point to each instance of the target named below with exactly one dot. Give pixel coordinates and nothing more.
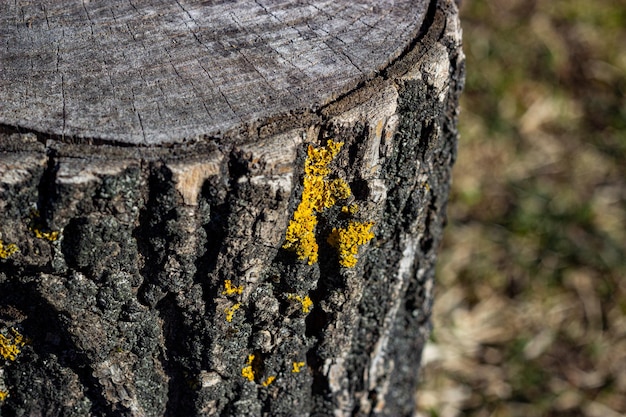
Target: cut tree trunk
(221, 208)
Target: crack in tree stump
(152, 156)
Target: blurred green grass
(531, 301)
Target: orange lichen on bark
(318, 194)
(348, 239)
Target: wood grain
(154, 72)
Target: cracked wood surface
(152, 72)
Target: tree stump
(221, 208)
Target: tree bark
(155, 160)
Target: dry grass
(530, 311)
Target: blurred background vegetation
(530, 311)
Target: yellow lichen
(318, 194)
(36, 226)
(9, 349)
(252, 370)
(248, 373)
(305, 301)
(348, 239)
(230, 311)
(10, 346)
(7, 250)
(296, 367)
(306, 304)
(268, 381)
(229, 289)
(352, 209)
(49, 236)
(248, 370)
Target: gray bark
(133, 194)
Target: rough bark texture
(125, 311)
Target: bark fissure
(59, 351)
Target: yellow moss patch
(229, 289)
(7, 250)
(268, 381)
(296, 366)
(3, 395)
(230, 311)
(10, 346)
(318, 194)
(305, 301)
(348, 239)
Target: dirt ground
(530, 309)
